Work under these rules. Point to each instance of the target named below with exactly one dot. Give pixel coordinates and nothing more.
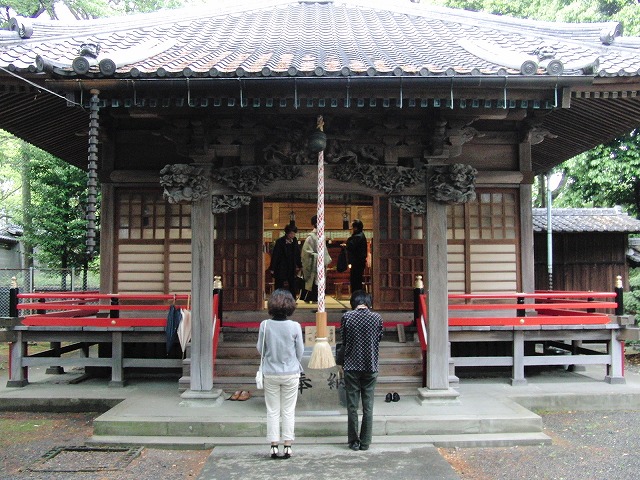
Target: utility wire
(40, 87)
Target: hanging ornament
(345, 219)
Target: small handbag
(259, 375)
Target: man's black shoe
(354, 445)
(388, 398)
(364, 447)
(395, 397)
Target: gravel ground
(586, 446)
(26, 437)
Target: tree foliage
(625, 11)
(9, 179)
(57, 229)
(606, 176)
(86, 9)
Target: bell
(317, 141)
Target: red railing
(91, 310)
(543, 308)
(539, 308)
(519, 309)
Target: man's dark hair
(357, 224)
(314, 220)
(360, 297)
(281, 304)
(290, 228)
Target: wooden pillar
(526, 221)
(436, 289)
(107, 238)
(201, 295)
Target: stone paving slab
(328, 462)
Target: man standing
(285, 260)
(357, 255)
(361, 330)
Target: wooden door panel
(238, 257)
(400, 257)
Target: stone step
(317, 426)
(247, 367)
(404, 385)
(440, 441)
(387, 350)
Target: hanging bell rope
(321, 356)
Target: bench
(80, 339)
(84, 320)
(573, 353)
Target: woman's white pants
(280, 397)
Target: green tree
(606, 176)
(86, 9)
(9, 179)
(55, 224)
(625, 11)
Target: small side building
(10, 247)
(589, 247)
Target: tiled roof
(325, 38)
(575, 220)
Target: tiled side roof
(574, 220)
(329, 38)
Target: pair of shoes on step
(286, 453)
(241, 395)
(392, 397)
(356, 445)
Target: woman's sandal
(274, 451)
(287, 451)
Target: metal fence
(30, 280)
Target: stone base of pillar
(54, 371)
(453, 378)
(201, 398)
(432, 397)
(518, 382)
(615, 380)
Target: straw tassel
(322, 355)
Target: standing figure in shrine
(286, 261)
(357, 255)
(309, 263)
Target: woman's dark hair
(281, 304)
(314, 220)
(357, 224)
(290, 228)
(360, 297)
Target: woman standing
(283, 348)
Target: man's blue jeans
(360, 385)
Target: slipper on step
(236, 395)
(245, 395)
